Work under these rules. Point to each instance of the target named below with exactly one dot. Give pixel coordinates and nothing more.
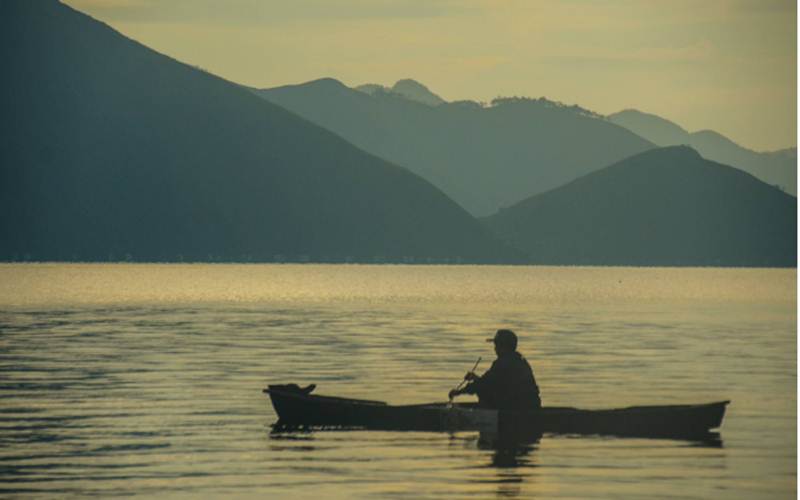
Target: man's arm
(478, 383)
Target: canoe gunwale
(333, 399)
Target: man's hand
(470, 376)
(453, 393)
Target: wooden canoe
(297, 408)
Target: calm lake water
(146, 380)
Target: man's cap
(504, 337)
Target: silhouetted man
(509, 384)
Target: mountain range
(664, 207)
(484, 157)
(111, 150)
(778, 168)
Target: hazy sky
(726, 65)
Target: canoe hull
(644, 421)
(305, 410)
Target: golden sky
(725, 65)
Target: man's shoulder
(520, 359)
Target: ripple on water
(130, 391)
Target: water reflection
(508, 464)
(510, 451)
(511, 456)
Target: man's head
(504, 341)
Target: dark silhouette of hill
(408, 88)
(666, 206)
(111, 150)
(483, 156)
(778, 168)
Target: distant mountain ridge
(407, 88)
(112, 151)
(778, 168)
(663, 207)
(483, 156)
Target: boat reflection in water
(513, 450)
(509, 450)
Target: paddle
(459, 386)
